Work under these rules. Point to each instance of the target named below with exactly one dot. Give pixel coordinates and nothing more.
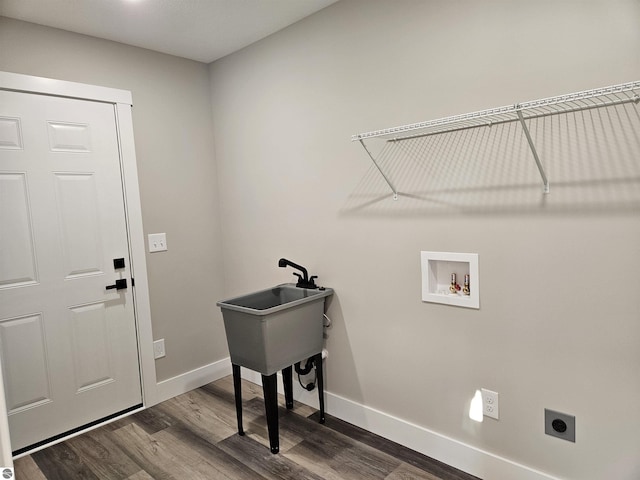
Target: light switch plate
(158, 349)
(157, 242)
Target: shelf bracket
(545, 181)
(393, 189)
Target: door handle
(119, 285)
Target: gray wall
(559, 323)
(174, 148)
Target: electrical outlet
(157, 242)
(560, 425)
(158, 348)
(490, 404)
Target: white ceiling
(202, 30)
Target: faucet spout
(303, 280)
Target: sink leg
(320, 377)
(237, 390)
(287, 380)
(270, 390)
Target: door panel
(25, 354)
(17, 254)
(69, 137)
(68, 345)
(10, 134)
(90, 346)
(79, 224)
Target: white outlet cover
(157, 242)
(490, 403)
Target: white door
(68, 343)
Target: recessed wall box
(438, 270)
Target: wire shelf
(519, 112)
(572, 102)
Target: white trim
(61, 88)
(138, 265)
(5, 444)
(196, 378)
(460, 455)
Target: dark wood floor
(193, 436)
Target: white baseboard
(460, 455)
(172, 387)
(465, 457)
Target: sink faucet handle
(305, 283)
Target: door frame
(122, 102)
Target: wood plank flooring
(193, 436)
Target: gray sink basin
(272, 329)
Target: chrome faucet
(304, 281)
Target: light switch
(157, 242)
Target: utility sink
(274, 328)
